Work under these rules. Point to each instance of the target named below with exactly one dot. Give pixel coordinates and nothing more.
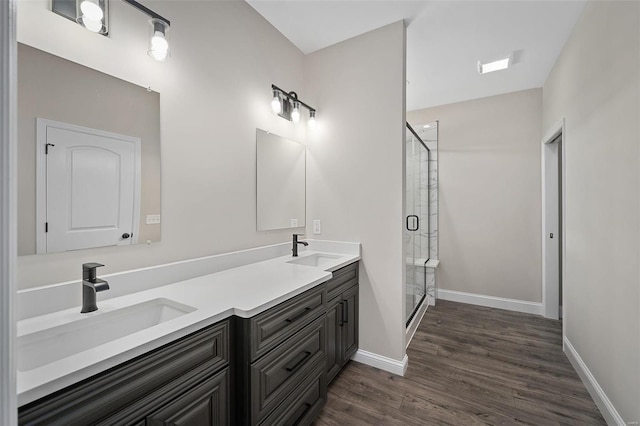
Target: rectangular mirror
(281, 182)
(88, 155)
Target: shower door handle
(417, 222)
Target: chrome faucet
(296, 242)
(90, 286)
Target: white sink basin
(55, 343)
(318, 260)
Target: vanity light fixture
(93, 15)
(287, 105)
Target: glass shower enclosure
(417, 220)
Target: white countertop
(244, 291)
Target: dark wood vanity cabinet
(342, 319)
(280, 354)
(286, 356)
(182, 383)
(270, 369)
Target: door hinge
(46, 227)
(46, 148)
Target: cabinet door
(205, 405)
(333, 325)
(350, 326)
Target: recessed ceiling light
(500, 64)
(427, 126)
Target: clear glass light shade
(295, 114)
(92, 14)
(91, 10)
(312, 120)
(276, 105)
(158, 40)
(91, 25)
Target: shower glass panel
(416, 226)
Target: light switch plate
(153, 219)
(317, 228)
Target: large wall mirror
(281, 182)
(88, 155)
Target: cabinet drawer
(174, 391)
(274, 326)
(275, 375)
(108, 392)
(342, 279)
(304, 403)
(205, 404)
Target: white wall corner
(390, 365)
(606, 407)
(491, 301)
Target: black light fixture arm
(292, 96)
(147, 11)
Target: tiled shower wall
(430, 137)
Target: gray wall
(354, 170)
(595, 86)
(56, 89)
(489, 194)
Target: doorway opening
(553, 160)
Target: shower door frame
(416, 309)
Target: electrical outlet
(153, 219)
(317, 228)
(294, 223)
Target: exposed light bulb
(91, 25)
(295, 114)
(276, 106)
(159, 47)
(158, 44)
(312, 120)
(91, 11)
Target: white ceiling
(445, 39)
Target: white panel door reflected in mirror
(87, 186)
(281, 182)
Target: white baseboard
(604, 404)
(382, 362)
(491, 301)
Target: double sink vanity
(254, 341)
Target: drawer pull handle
(303, 411)
(300, 315)
(345, 311)
(297, 363)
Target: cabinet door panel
(350, 326)
(334, 337)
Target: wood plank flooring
(468, 365)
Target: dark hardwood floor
(468, 365)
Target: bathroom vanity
(264, 366)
